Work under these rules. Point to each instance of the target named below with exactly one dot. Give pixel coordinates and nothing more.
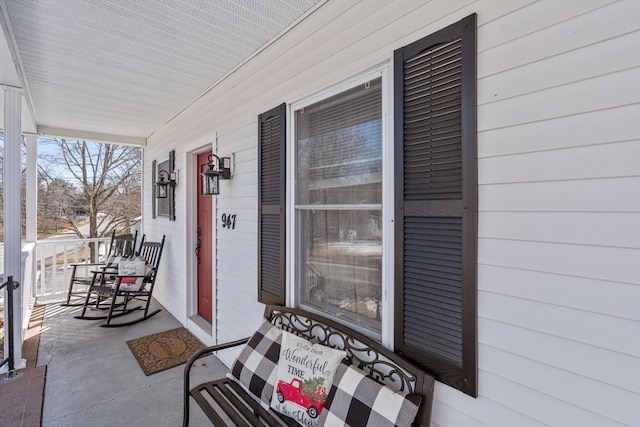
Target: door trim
(191, 151)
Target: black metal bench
(225, 402)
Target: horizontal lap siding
(582, 228)
(602, 92)
(587, 195)
(556, 36)
(600, 296)
(534, 345)
(558, 146)
(580, 326)
(237, 249)
(611, 160)
(559, 229)
(170, 282)
(582, 129)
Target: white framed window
(340, 245)
(318, 184)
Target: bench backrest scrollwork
(378, 362)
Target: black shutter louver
(436, 203)
(271, 206)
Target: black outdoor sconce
(162, 185)
(212, 174)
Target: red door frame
(204, 243)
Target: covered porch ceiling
(117, 70)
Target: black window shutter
(154, 172)
(271, 206)
(172, 189)
(436, 204)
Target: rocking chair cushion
(136, 268)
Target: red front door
(204, 251)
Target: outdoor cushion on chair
(120, 247)
(137, 268)
(128, 287)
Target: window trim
(384, 72)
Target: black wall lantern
(165, 180)
(213, 172)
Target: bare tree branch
(105, 179)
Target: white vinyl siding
(171, 270)
(559, 198)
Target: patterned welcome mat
(164, 350)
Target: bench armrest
(209, 350)
(192, 360)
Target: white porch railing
(46, 271)
(53, 264)
(28, 285)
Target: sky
(47, 146)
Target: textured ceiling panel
(124, 67)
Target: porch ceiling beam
(92, 136)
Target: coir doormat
(164, 350)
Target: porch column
(31, 172)
(12, 222)
(31, 227)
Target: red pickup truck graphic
(313, 402)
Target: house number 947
(228, 221)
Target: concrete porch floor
(93, 378)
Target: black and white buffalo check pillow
(357, 400)
(255, 367)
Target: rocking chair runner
(123, 246)
(150, 253)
